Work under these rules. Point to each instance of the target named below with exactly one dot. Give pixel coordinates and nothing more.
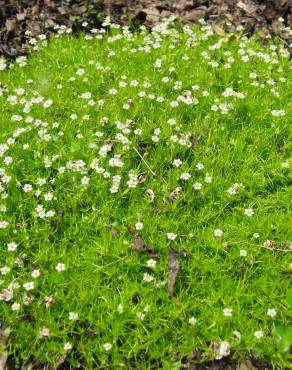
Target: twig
(147, 165)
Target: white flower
(285, 164)
(35, 273)
(258, 334)
(256, 235)
(151, 263)
(147, 277)
(73, 316)
(4, 270)
(197, 186)
(107, 346)
(139, 225)
(60, 267)
(243, 253)
(171, 122)
(15, 306)
(48, 103)
(3, 224)
(192, 320)
(227, 312)
(171, 236)
(199, 166)
(208, 179)
(218, 232)
(249, 212)
(85, 180)
(28, 286)
(11, 247)
(27, 188)
(271, 312)
(67, 346)
(185, 176)
(177, 162)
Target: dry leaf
(138, 243)
(217, 29)
(140, 246)
(173, 268)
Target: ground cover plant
(145, 199)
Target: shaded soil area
(22, 18)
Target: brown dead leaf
(140, 246)
(173, 268)
(217, 29)
(10, 25)
(21, 16)
(138, 243)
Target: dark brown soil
(40, 16)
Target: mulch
(41, 16)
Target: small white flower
(151, 263)
(256, 235)
(249, 212)
(227, 312)
(285, 164)
(15, 306)
(177, 162)
(258, 334)
(243, 253)
(11, 247)
(208, 179)
(171, 236)
(139, 225)
(60, 267)
(35, 273)
(67, 346)
(85, 180)
(199, 166)
(28, 286)
(271, 312)
(147, 277)
(197, 186)
(218, 232)
(192, 320)
(73, 316)
(107, 346)
(185, 176)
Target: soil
(40, 16)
